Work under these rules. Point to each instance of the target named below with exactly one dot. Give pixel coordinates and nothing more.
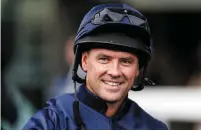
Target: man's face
(110, 74)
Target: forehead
(111, 53)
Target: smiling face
(110, 74)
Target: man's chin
(111, 101)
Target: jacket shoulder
(60, 101)
(55, 115)
(149, 121)
(62, 104)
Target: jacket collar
(88, 98)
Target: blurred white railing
(170, 103)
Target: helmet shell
(115, 26)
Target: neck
(113, 107)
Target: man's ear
(138, 72)
(84, 61)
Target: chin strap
(78, 119)
(76, 111)
(76, 78)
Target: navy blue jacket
(58, 114)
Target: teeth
(112, 83)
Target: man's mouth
(112, 83)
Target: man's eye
(103, 60)
(126, 62)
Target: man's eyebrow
(128, 58)
(103, 55)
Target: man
(112, 46)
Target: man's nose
(114, 70)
